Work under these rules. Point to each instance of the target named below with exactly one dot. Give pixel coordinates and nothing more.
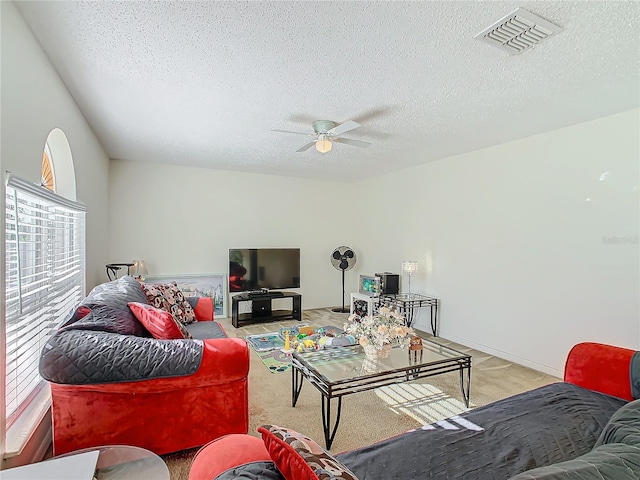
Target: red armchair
(161, 415)
(164, 413)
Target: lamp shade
(323, 145)
(139, 270)
(409, 267)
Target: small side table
(363, 305)
(121, 462)
(113, 268)
(408, 303)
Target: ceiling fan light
(324, 145)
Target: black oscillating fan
(343, 258)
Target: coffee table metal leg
(434, 319)
(465, 386)
(296, 385)
(329, 434)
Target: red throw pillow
(160, 323)
(204, 309)
(298, 457)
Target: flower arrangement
(378, 330)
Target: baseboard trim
(498, 353)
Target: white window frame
(45, 269)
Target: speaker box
(389, 283)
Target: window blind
(45, 278)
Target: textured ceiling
(203, 83)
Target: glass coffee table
(341, 371)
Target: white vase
(370, 365)
(373, 353)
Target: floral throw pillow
(172, 290)
(168, 297)
(298, 457)
(160, 323)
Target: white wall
(184, 220)
(34, 102)
(514, 240)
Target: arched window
(47, 179)
(58, 173)
(45, 270)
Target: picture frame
(212, 285)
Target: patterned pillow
(161, 324)
(298, 457)
(168, 297)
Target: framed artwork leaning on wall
(212, 285)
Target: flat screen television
(257, 268)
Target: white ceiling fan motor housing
(323, 126)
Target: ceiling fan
(327, 132)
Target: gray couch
(585, 428)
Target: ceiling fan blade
(349, 141)
(306, 147)
(289, 131)
(344, 127)
(373, 114)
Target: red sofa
(110, 388)
(585, 427)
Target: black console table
(407, 303)
(261, 308)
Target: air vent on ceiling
(518, 31)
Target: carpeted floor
(395, 408)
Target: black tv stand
(261, 307)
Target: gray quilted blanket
(80, 357)
(547, 425)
